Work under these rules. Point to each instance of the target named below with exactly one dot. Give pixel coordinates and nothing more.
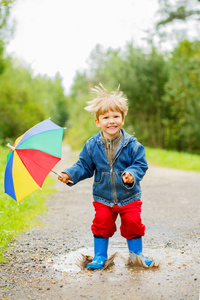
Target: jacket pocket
(103, 186)
(99, 177)
(119, 181)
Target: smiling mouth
(112, 127)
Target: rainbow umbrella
(32, 157)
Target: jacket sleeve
(83, 168)
(139, 164)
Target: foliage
(141, 76)
(80, 125)
(181, 10)
(17, 218)
(176, 21)
(4, 14)
(163, 93)
(181, 99)
(2, 64)
(27, 100)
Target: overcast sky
(58, 35)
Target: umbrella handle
(60, 176)
(11, 147)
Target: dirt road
(41, 264)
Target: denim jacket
(108, 186)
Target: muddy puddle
(166, 258)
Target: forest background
(163, 88)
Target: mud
(47, 262)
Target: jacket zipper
(113, 182)
(111, 173)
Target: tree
(58, 104)
(163, 93)
(180, 10)
(5, 6)
(178, 21)
(80, 86)
(18, 110)
(4, 13)
(141, 77)
(181, 99)
(27, 100)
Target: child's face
(110, 123)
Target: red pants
(105, 217)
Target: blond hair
(105, 101)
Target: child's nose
(112, 120)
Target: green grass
(173, 159)
(14, 218)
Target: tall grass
(14, 218)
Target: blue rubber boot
(135, 247)
(100, 253)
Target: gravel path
(41, 263)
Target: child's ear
(97, 123)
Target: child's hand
(127, 178)
(64, 178)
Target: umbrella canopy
(32, 157)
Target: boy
(118, 161)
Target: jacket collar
(125, 139)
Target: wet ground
(42, 263)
